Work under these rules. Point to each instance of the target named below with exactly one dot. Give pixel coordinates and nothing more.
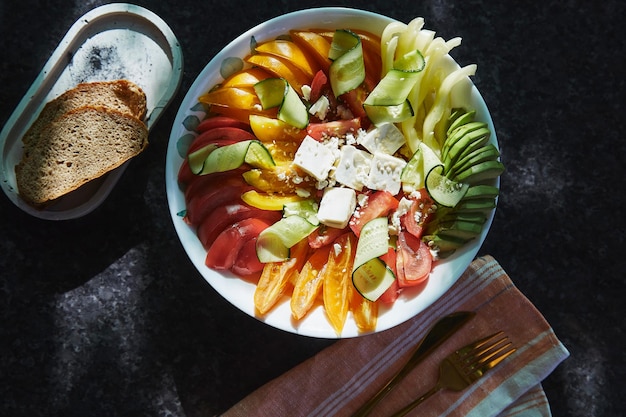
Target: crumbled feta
(320, 108)
(337, 206)
(385, 172)
(353, 167)
(306, 92)
(386, 138)
(403, 207)
(315, 158)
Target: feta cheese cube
(353, 167)
(337, 206)
(385, 172)
(314, 158)
(386, 138)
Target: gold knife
(438, 333)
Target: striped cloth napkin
(337, 380)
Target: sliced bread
(120, 95)
(75, 148)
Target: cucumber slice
(306, 209)
(481, 191)
(347, 71)
(457, 228)
(474, 205)
(445, 243)
(372, 279)
(273, 243)
(373, 241)
(211, 159)
(483, 171)
(388, 102)
(370, 275)
(458, 118)
(442, 190)
(196, 159)
(458, 134)
(483, 153)
(467, 143)
(276, 92)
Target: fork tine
(490, 357)
(469, 350)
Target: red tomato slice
(221, 121)
(323, 236)
(379, 204)
(391, 295)
(222, 216)
(222, 254)
(318, 86)
(201, 184)
(335, 128)
(220, 136)
(185, 176)
(210, 197)
(354, 100)
(413, 260)
(418, 215)
(247, 262)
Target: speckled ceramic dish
(240, 292)
(110, 42)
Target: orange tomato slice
(289, 51)
(365, 312)
(238, 97)
(314, 45)
(308, 284)
(246, 78)
(241, 114)
(277, 275)
(337, 280)
(281, 68)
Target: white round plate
(240, 292)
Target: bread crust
(122, 95)
(81, 145)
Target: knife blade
(438, 333)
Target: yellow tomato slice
(308, 284)
(281, 68)
(246, 78)
(289, 51)
(268, 129)
(278, 179)
(242, 114)
(237, 97)
(277, 275)
(365, 312)
(314, 45)
(337, 280)
(264, 201)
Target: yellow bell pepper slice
(268, 201)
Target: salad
(333, 167)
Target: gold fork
(465, 366)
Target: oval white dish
(110, 42)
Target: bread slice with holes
(81, 145)
(121, 95)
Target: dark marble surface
(106, 316)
